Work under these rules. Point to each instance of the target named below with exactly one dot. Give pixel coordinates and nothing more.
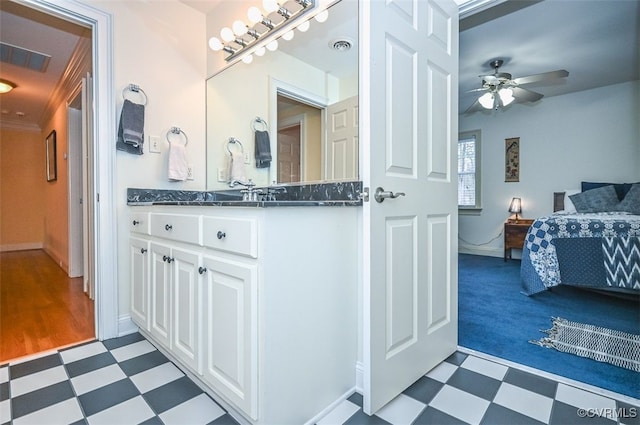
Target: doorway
(101, 159)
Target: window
(469, 171)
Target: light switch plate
(154, 144)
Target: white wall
(592, 135)
(161, 46)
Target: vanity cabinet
(258, 304)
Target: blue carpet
(496, 319)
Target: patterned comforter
(596, 250)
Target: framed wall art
(52, 166)
(512, 160)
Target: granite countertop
(303, 195)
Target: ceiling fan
(501, 90)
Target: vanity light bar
(238, 44)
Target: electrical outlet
(247, 158)
(190, 172)
(222, 175)
(154, 144)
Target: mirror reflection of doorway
(300, 140)
(289, 154)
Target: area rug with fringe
(605, 345)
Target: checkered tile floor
(127, 381)
(466, 389)
(117, 381)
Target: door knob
(381, 195)
(143, 250)
(202, 270)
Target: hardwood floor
(41, 308)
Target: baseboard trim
(360, 377)
(474, 250)
(126, 325)
(324, 412)
(21, 246)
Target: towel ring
(176, 130)
(233, 141)
(135, 89)
(259, 121)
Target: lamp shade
(515, 206)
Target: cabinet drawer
(236, 235)
(177, 227)
(139, 223)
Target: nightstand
(514, 234)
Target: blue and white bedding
(595, 250)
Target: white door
(139, 278)
(231, 331)
(409, 79)
(341, 150)
(160, 287)
(88, 183)
(186, 307)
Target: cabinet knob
(202, 270)
(136, 222)
(167, 258)
(221, 234)
(143, 250)
(168, 227)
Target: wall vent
(24, 58)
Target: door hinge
(364, 195)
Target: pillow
(621, 188)
(568, 203)
(602, 199)
(631, 201)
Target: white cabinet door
(139, 278)
(160, 285)
(231, 331)
(186, 307)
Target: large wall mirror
(306, 92)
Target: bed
(592, 240)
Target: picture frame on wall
(52, 165)
(512, 160)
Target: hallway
(41, 308)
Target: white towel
(178, 167)
(236, 167)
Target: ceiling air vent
(24, 58)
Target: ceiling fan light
(506, 96)
(6, 86)
(486, 100)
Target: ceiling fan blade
(545, 76)
(524, 95)
(477, 90)
(476, 106)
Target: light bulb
(239, 28)
(247, 59)
(322, 16)
(215, 44)
(303, 27)
(486, 100)
(273, 45)
(270, 5)
(288, 35)
(506, 96)
(260, 51)
(254, 14)
(226, 34)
